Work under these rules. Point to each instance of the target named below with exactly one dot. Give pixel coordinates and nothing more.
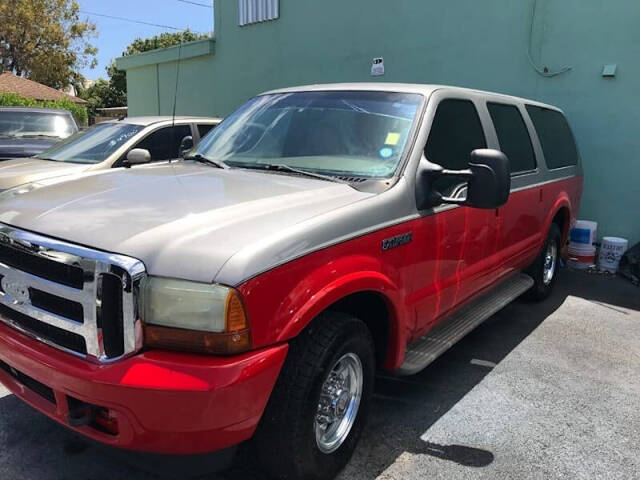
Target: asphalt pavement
(547, 390)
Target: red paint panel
(453, 256)
(521, 233)
(528, 215)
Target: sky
(114, 35)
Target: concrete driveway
(546, 390)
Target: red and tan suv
(253, 288)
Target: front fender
(329, 294)
(283, 302)
(357, 282)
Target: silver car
(25, 132)
(116, 143)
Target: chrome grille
(53, 291)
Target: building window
(256, 11)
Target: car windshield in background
(353, 133)
(35, 124)
(94, 145)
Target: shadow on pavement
(32, 446)
(465, 456)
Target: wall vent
(257, 11)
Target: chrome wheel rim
(550, 261)
(339, 403)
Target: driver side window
(164, 144)
(456, 131)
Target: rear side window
(513, 136)
(204, 129)
(164, 144)
(455, 133)
(558, 144)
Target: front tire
(319, 406)
(544, 270)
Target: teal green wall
(142, 90)
(478, 44)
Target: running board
(442, 337)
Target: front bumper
(163, 402)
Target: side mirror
(488, 181)
(185, 145)
(138, 156)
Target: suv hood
(182, 220)
(24, 147)
(21, 171)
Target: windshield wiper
(278, 167)
(209, 161)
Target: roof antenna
(175, 97)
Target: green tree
(102, 94)
(113, 93)
(118, 78)
(45, 40)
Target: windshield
(94, 145)
(35, 124)
(360, 134)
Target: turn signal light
(236, 318)
(197, 342)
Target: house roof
(11, 83)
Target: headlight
(192, 316)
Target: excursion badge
(397, 241)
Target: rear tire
(544, 270)
(324, 366)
